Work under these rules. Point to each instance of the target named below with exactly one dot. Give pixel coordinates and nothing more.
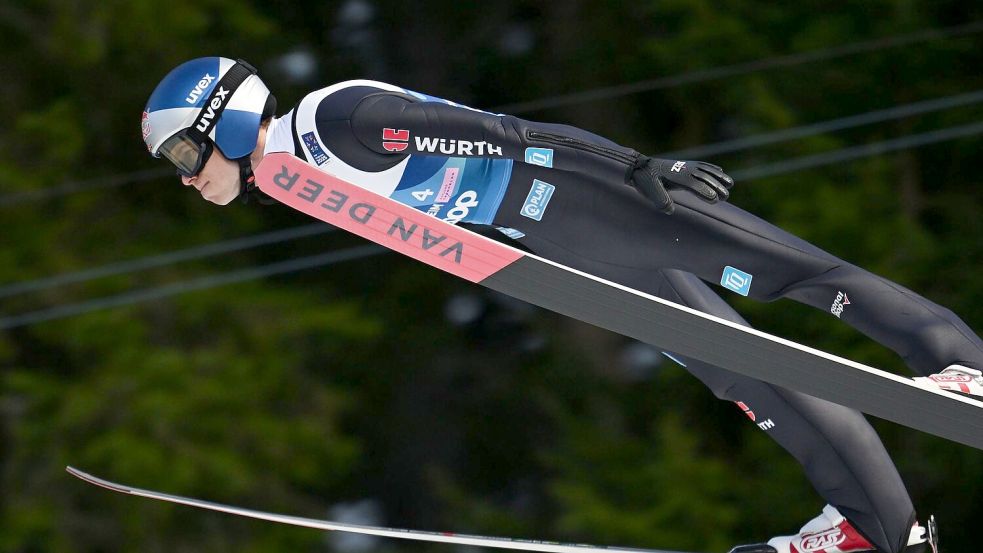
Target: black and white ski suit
(562, 193)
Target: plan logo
(539, 156)
(394, 140)
(537, 200)
(839, 304)
(736, 280)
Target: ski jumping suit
(562, 193)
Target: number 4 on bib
(422, 195)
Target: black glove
(652, 176)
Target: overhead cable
(143, 263)
(703, 75)
(359, 252)
(595, 94)
(203, 283)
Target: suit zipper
(560, 140)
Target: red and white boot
(831, 532)
(956, 378)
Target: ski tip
(84, 476)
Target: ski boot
(956, 378)
(831, 532)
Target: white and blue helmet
(206, 101)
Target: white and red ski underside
(672, 327)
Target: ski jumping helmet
(203, 104)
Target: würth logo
(395, 140)
(451, 146)
(766, 424)
(839, 304)
(747, 410)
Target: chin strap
(247, 184)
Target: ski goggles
(186, 153)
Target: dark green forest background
(381, 387)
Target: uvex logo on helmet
(199, 89)
(207, 117)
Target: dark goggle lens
(187, 155)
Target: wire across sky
(602, 93)
(361, 252)
(703, 151)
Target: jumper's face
(218, 181)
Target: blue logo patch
(539, 156)
(511, 233)
(736, 280)
(314, 148)
(537, 200)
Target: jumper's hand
(653, 176)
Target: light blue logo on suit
(511, 233)
(736, 280)
(539, 156)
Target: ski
(675, 328)
(420, 535)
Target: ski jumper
(563, 193)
